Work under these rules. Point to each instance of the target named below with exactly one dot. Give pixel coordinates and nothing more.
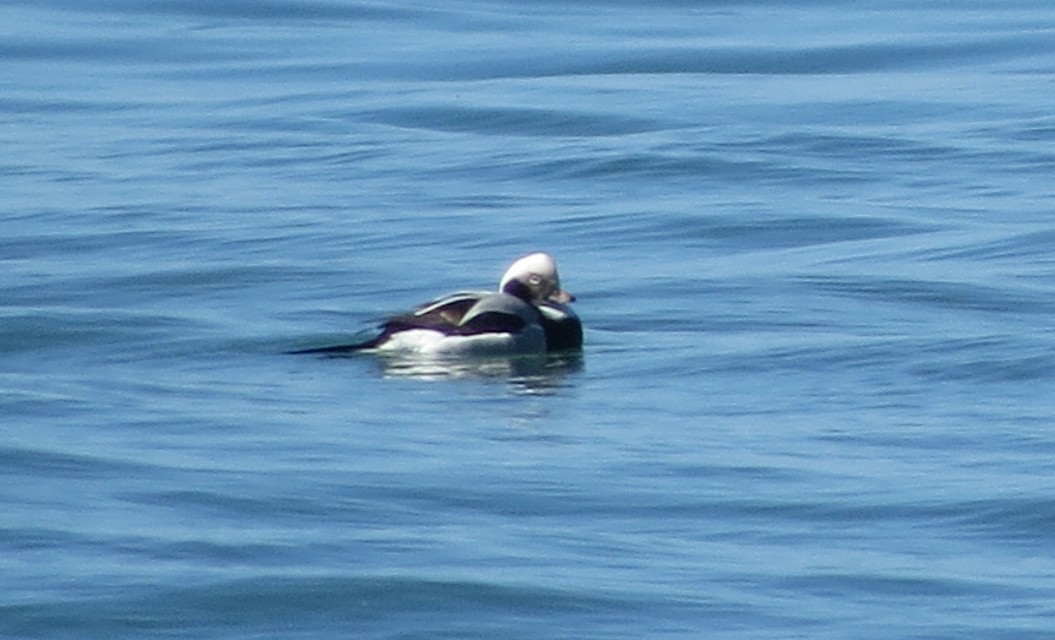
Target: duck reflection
(529, 374)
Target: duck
(528, 314)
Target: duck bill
(562, 297)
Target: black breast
(564, 334)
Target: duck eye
(534, 280)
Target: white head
(538, 273)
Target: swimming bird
(529, 314)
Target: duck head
(534, 278)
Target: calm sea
(814, 248)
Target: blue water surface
(812, 244)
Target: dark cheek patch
(517, 288)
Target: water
(812, 247)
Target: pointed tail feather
(338, 349)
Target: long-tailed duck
(529, 314)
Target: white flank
(428, 342)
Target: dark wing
(491, 322)
(465, 314)
(444, 314)
(447, 311)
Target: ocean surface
(813, 245)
